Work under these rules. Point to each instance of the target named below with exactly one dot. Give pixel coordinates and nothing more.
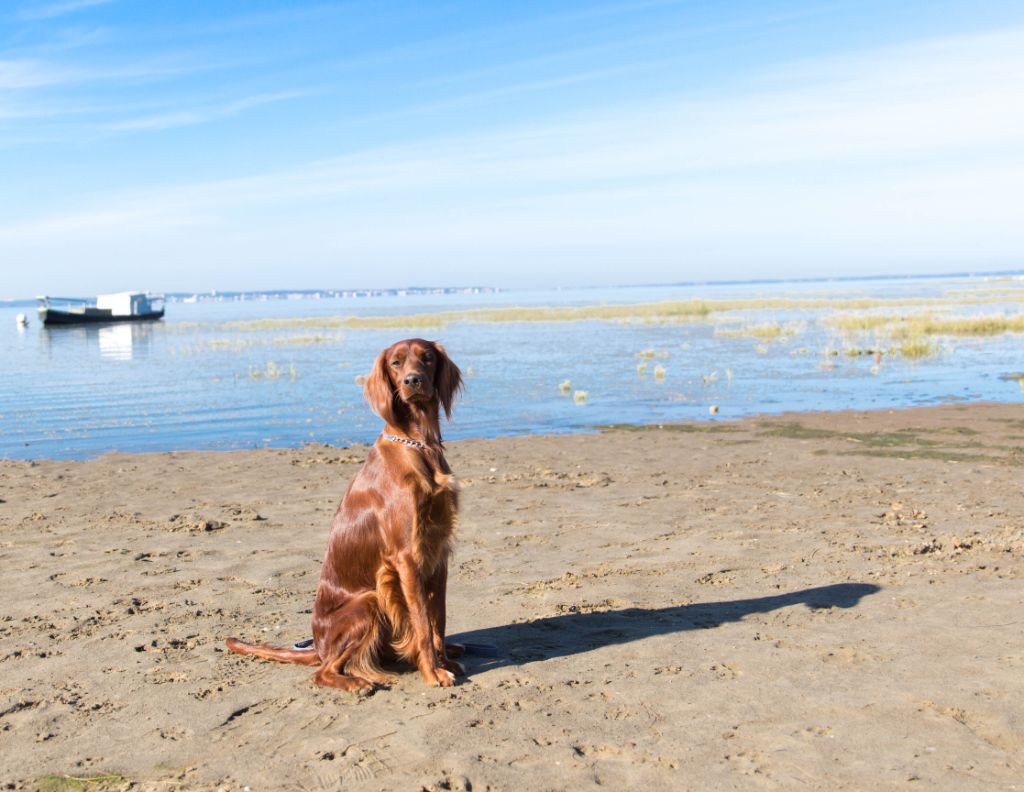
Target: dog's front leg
(415, 595)
(437, 588)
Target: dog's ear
(379, 391)
(447, 380)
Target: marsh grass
(915, 348)
(913, 336)
(910, 348)
(767, 331)
(962, 326)
(919, 453)
(665, 312)
(108, 782)
(1008, 288)
(228, 344)
(272, 371)
(861, 323)
(412, 322)
(685, 428)
(239, 344)
(902, 444)
(314, 339)
(902, 327)
(797, 431)
(662, 312)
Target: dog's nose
(414, 380)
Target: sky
(189, 146)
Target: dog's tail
(306, 657)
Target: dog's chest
(432, 539)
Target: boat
(118, 307)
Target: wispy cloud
(202, 115)
(53, 10)
(28, 73)
(97, 100)
(31, 73)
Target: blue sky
(243, 145)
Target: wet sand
(820, 601)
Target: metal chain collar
(395, 439)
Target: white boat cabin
(126, 303)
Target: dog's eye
(396, 363)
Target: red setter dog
(382, 587)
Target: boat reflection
(122, 341)
(116, 342)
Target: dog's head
(412, 372)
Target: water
(193, 381)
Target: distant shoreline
(412, 291)
(293, 294)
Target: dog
(382, 588)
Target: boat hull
(51, 317)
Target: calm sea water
(195, 381)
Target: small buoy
(565, 386)
(713, 409)
(22, 320)
(580, 396)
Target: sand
(825, 601)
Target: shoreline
(698, 424)
(823, 599)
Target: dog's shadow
(575, 633)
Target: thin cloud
(53, 10)
(27, 73)
(192, 117)
(24, 73)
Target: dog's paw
(439, 677)
(452, 667)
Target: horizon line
(392, 290)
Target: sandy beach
(819, 601)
